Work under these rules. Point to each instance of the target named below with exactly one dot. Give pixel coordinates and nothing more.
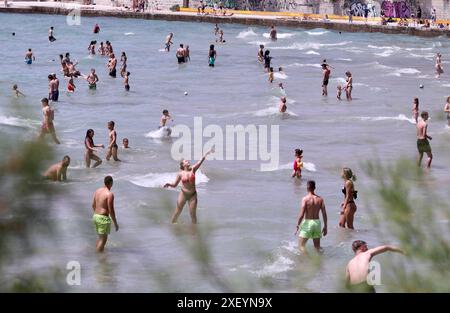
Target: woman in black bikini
(188, 192)
(348, 207)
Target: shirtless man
(29, 57)
(273, 33)
(180, 54)
(261, 53)
(103, 206)
(447, 111)
(112, 147)
(47, 124)
(125, 143)
(58, 171)
(326, 76)
(165, 118)
(92, 79)
(169, 42)
(112, 65)
(125, 81)
(310, 228)
(423, 145)
(282, 107)
(358, 267)
(53, 87)
(50, 35)
(16, 91)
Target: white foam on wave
(425, 56)
(273, 111)
(160, 133)
(279, 265)
(304, 65)
(246, 33)
(258, 43)
(317, 33)
(418, 49)
(384, 47)
(128, 34)
(386, 53)
(279, 75)
(280, 35)
(400, 117)
(312, 52)
(344, 59)
(158, 180)
(308, 166)
(18, 122)
(399, 72)
(311, 45)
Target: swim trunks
(28, 61)
(54, 95)
(211, 61)
(311, 229)
(93, 86)
(50, 128)
(448, 116)
(180, 59)
(51, 38)
(423, 145)
(325, 82)
(127, 87)
(363, 287)
(112, 72)
(102, 224)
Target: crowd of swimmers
(309, 224)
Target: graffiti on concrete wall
(229, 4)
(359, 8)
(273, 5)
(396, 9)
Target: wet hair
(13, 34)
(128, 73)
(211, 47)
(29, 49)
(51, 27)
(348, 73)
(111, 123)
(125, 139)
(61, 56)
(181, 164)
(89, 131)
(101, 42)
(261, 46)
(448, 99)
(348, 174)
(298, 152)
(311, 185)
(416, 101)
(271, 69)
(358, 244)
(50, 76)
(424, 114)
(67, 54)
(108, 180)
(267, 52)
(123, 53)
(15, 86)
(165, 111)
(44, 100)
(181, 45)
(280, 69)
(66, 158)
(283, 99)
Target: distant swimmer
(357, 270)
(423, 145)
(326, 76)
(212, 54)
(308, 222)
(180, 54)
(348, 85)
(29, 57)
(101, 49)
(188, 192)
(104, 213)
(282, 107)
(339, 92)
(112, 63)
(187, 54)
(112, 147)
(92, 79)
(271, 75)
(220, 39)
(273, 33)
(438, 65)
(71, 86)
(91, 48)
(415, 109)
(169, 42)
(298, 164)
(16, 91)
(348, 207)
(51, 38)
(108, 48)
(125, 81)
(447, 111)
(58, 171)
(165, 118)
(47, 124)
(267, 60)
(96, 29)
(90, 149)
(216, 29)
(123, 66)
(280, 85)
(53, 87)
(125, 143)
(261, 53)
(73, 72)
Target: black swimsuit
(355, 195)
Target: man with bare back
(112, 147)
(423, 145)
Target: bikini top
(355, 193)
(190, 179)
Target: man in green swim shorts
(103, 205)
(423, 145)
(311, 227)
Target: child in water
(339, 92)
(283, 106)
(70, 85)
(298, 163)
(271, 75)
(16, 91)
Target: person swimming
(298, 163)
(29, 57)
(16, 91)
(282, 107)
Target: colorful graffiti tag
(396, 9)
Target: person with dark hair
(29, 57)
(308, 222)
(47, 124)
(358, 268)
(423, 145)
(126, 81)
(112, 147)
(90, 149)
(180, 54)
(267, 59)
(415, 109)
(58, 171)
(298, 163)
(326, 76)
(50, 35)
(104, 213)
(188, 192)
(273, 33)
(112, 63)
(212, 55)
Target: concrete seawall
(245, 20)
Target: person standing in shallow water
(188, 192)
(447, 111)
(326, 76)
(423, 145)
(104, 213)
(415, 109)
(90, 149)
(348, 207)
(47, 124)
(212, 55)
(112, 147)
(348, 85)
(308, 221)
(273, 33)
(112, 63)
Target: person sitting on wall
(383, 21)
(201, 8)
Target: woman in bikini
(188, 192)
(349, 85)
(415, 109)
(348, 207)
(89, 154)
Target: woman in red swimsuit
(188, 192)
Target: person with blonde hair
(348, 207)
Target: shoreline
(247, 19)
